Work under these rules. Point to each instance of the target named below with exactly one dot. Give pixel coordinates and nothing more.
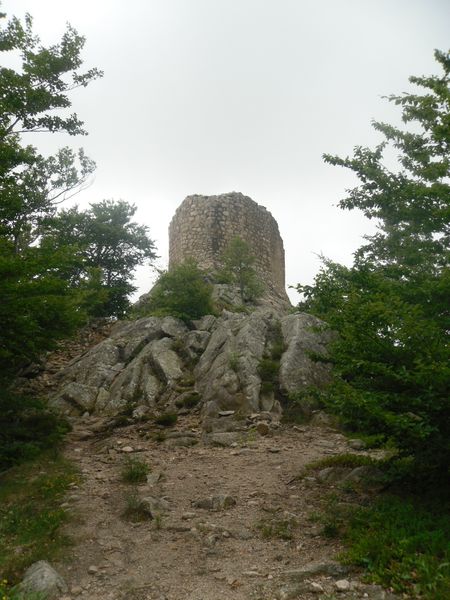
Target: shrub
(27, 428)
(233, 361)
(238, 269)
(136, 509)
(167, 419)
(182, 292)
(268, 370)
(31, 515)
(188, 401)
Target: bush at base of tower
(182, 292)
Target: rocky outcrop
(230, 367)
(135, 366)
(160, 365)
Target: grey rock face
(135, 365)
(227, 373)
(196, 342)
(148, 363)
(303, 334)
(41, 578)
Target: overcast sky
(212, 96)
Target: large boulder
(41, 580)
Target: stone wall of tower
(203, 226)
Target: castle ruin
(203, 226)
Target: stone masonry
(203, 226)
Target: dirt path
(196, 553)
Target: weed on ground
(404, 544)
(134, 470)
(31, 514)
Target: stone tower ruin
(203, 226)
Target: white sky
(212, 96)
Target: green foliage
(188, 401)
(167, 419)
(375, 440)
(135, 470)
(37, 305)
(107, 247)
(27, 428)
(391, 358)
(233, 361)
(136, 509)
(31, 97)
(268, 370)
(238, 269)
(159, 437)
(403, 544)
(8, 593)
(31, 513)
(182, 292)
(269, 365)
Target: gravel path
(242, 552)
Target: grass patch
(8, 593)
(189, 400)
(136, 510)
(233, 361)
(134, 470)
(122, 421)
(332, 516)
(187, 381)
(403, 543)
(167, 419)
(30, 513)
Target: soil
(242, 552)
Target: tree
(31, 185)
(238, 269)
(108, 246)
(37, 306)
(182, 292)
(391, 359)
